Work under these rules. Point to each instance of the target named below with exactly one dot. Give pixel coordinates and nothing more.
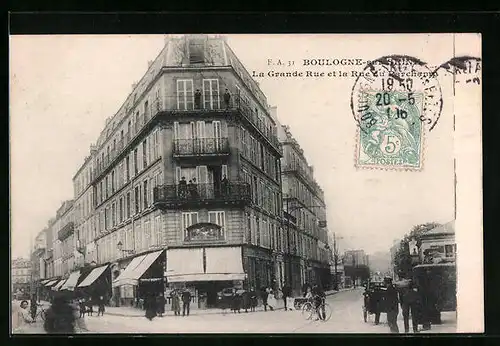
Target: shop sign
(204, 232)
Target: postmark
(394, 100)
(466, 70)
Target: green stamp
(390, 130)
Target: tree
(403, 263)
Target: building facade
(305, 218)
(184, 187)
(21, 275)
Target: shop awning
(93, 276)
(206, 277)
(221, 264)
(43, 281)
(51, 283)
(182, 263)
(58, 286)
(72, 281)
(136, 269)
(145, 264)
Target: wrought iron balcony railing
(188, 103)
(175, 195)
(201, 147)
(66, 231)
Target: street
(347, 317)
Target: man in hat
(392, 302)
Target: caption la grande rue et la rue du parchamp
(339, 63)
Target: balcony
(66, 231)
(201, 147)
(306, 177)
(190, 105)
(198, 195)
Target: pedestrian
(150, 306)
(264, 295)
(253, 299)
(23, 318)
(183, 188)
(246, 301)
(391, 306)
(408, 297)
(33, 306)
(236, 302)
(160, 302)
(318, 297)
(100, 306)
(61, 318)
(89, 306)
(186, 302)
(197, 99)
(305, 289)
(271, 300)
(287, 292)
(176, 303)
(81, 306)
(227, 98)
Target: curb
(331, 293)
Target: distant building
(20, 275)
(356, 258)
(38, 267)
(305, 217)
(438, 244)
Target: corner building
(185, 180)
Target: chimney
(150, 62)
(134, 85)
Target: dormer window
(196, 51)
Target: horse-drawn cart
(373, 302)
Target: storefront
(260, 266)
(205, 271)
(97, 282)
(142, 276)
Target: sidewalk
(127, 311)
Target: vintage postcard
(246, 183)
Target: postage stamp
(394, 101)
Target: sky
(62, 89)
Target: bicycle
(40, 313)
(323, 311)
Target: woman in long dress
(271, 300)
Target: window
(218, 218)
(136, 164)
(146, 109)
(144, 154)
(188, 219)
(121, 210)
(113, 214)
(249, 229)
(127, 169)
(137, 199)
(185, 95)
(145, 191)
(128, 205)
(257, 231)
(196, 51)
(106, 187)
(211, 98)
(106, 218)
(113, 181)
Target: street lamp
(120, 248)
